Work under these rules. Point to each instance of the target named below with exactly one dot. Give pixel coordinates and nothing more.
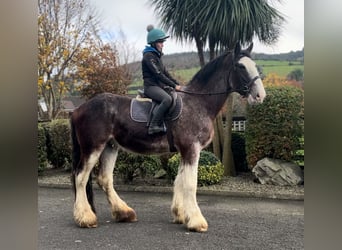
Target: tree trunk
(199, 45)
(228, 158)
(217, 145)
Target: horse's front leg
(121, 212)
(184, 205)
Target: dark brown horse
(102, 125)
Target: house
(69, 104)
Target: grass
(281, 68)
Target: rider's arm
(169, 76)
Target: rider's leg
(165, 101)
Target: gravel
(243, 185)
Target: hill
(189, 60)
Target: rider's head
(156, 37)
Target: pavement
(243, 185)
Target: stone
(278, 172)
(160, 174)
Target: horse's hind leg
(184, 205)
(120, 211)
(84, 216)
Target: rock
(160, 174)
(278, 172)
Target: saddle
(142, 107)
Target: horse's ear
(237, 49)
(249, 49)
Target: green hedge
(128, 164)
(60, 143)
(210, 169)
(274, 128)
(42, 149)
(57, 143)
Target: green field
(281, 68)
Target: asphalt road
(234, 223)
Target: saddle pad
(140, 110)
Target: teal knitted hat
(155, 35)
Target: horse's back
(100, 105)
(93, 120)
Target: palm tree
(179, 18)
(221, 24)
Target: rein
(246, 89)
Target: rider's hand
(178, 87)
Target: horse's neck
(208, 97)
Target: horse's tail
(76, 166)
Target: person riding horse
(156, 77)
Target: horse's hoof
(125, 216)
(199, 227)
(85, 219)
(86, 223)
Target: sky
(133, 16)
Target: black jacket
(153, 70)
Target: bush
(210, 169)
(275, 127)
(59, 143)
(128, 164)
(41, 149)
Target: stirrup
(157, 129)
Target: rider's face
(159, 46)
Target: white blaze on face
(257, 94)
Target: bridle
(247, 87)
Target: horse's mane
(204, 73)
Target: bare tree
(64, 28)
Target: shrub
(59, 144)
(275, 127)
(210, 169)
(128, 164)
(41, 149)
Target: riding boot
(156, 124)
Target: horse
(102, 125)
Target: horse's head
(247, 81)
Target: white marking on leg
(105, 180)
(193, 216)
(177, 207)
(83, 214)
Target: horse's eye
(240, 66)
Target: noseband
(246, 88)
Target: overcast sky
(133, 16)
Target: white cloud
(132, 16)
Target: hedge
(42, 149)
(128, 164)
(210, 169)
(274, 128)
(58, 143)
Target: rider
(156, 77)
